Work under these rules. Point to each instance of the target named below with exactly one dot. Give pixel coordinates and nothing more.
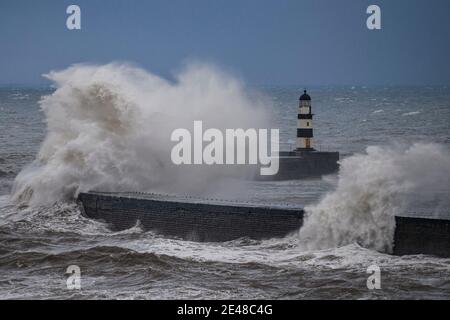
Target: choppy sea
(38, 243)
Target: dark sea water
(37, 244)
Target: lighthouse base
(304, 163)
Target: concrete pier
(422, 236)
(215, 220)
(190, 218)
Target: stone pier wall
(192, 221)
(422, 236)
(202, 221)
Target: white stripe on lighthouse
(304, 123)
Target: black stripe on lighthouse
(304, 116)
(304, 133)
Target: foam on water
(372, 188)
(412, 113)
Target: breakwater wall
(218, 220)
(188, 218)
(422, 236)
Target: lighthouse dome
(305, 96)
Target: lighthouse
(304, 124)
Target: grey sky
(314, 42)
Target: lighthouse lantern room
(304, 124)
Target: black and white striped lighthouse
(304, 124)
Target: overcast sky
(313, 42)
